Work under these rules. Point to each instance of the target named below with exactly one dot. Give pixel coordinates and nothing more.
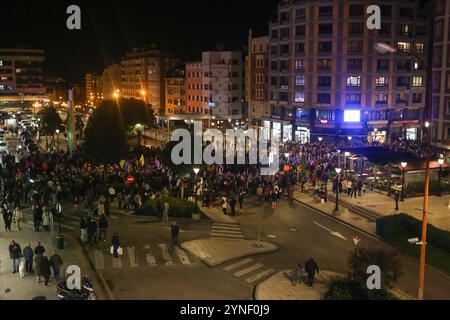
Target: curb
(100, 278)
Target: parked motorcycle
(85, 293)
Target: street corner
(215, 251)
(280, 287)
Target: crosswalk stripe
(225, 224)
(226, 228)
(165, 254)
(227, 231)
(151, 259)
(237, 264)
(132, 256)
(117, 262)
(182, 256)
(259, 275)
(99, 262)
(226, 235)
(248, 270)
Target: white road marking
(248, 270)
(227, 231)
(226, 228)
(151, 260)
(259, 275)
(226, 235)
(225, 224)
(132, 256)
(165, 254)
(182, 256)
(99, 262)
(237, 264)
(334, 233)
(117, 262)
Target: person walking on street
(241, 199)
(7, 219)
(36, 217)
(102, 227)
(115, 244)
(224, 205)
(46, 218)
(39, 250)
(83, 228)
(17, 216)
(14, 253)
(233, 205)
(28, 255)
(175, 230)
(311, 268)
(165, 211)
(56, 262)
(298, 274)
(38, 261)
(92, 231)
(45, 265)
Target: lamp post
(196, 170)
(346, 154)
(320, 139)
(57, 139)
(403, 164)
(441, 162)
(336, 209)
(338, 152)
(349, 138)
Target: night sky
(109, 28)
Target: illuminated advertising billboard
(352, 115)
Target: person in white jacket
(46, 218)
(17, 216)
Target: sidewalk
(279, 287)
(382, 205)
(344, 214)
(214, 251)
(27, 288)
(216, 214)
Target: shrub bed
(397, 229)
(178, 207)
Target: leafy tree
(354, 285)
(79, 124)
(134, 112)
(105, 134)
(50, 121)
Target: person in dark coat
(103, 227)
(396, 199)
(14, 253)
(39, 249)
(45, 269)
(28, 255)
(233, 205)
(92, 231)
(175, 230)
(37, 217)
(56, 262)
(38, 261)
(7, 219)
(115, 244)
(311, 268)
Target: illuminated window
(419, 47)
(299, 96)
(382, 81)
(404, 46)
(405, 29)
(354, 81)
(299, 80)
(417, 81)
(299, 64)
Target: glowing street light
(349, 138)
(320, 139)
(403, 164)
(441, 162)
(336, 209)
(196, 170)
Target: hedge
(397, 229)
(178, 207)
(418, 187)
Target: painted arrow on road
(334, 233)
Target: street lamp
(403, 164)
(346, 154)
(441, 162)
(320, 139)
(336, 209)
(338, 152)
(196, 170)
(286, 155)
(349, 138)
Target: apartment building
(326, 77)
(175, 92)
(94, 89)
(111, 80)
(143, 71)
(256, 83)
(21, 75)
(195, 101)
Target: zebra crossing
(226, 230)
(248, 270)
(148, 255)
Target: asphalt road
(302, 232)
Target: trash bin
(60, 241)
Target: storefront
(377, 136)
(264, 131)
(287, 132)
(276, 131)
(302, 135)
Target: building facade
(256, 83)
(175, 92)
(441, 75)
(111, 81)
(94, 89)
(326, 77)
(196, 102)
(21, 76)
(143, 71)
